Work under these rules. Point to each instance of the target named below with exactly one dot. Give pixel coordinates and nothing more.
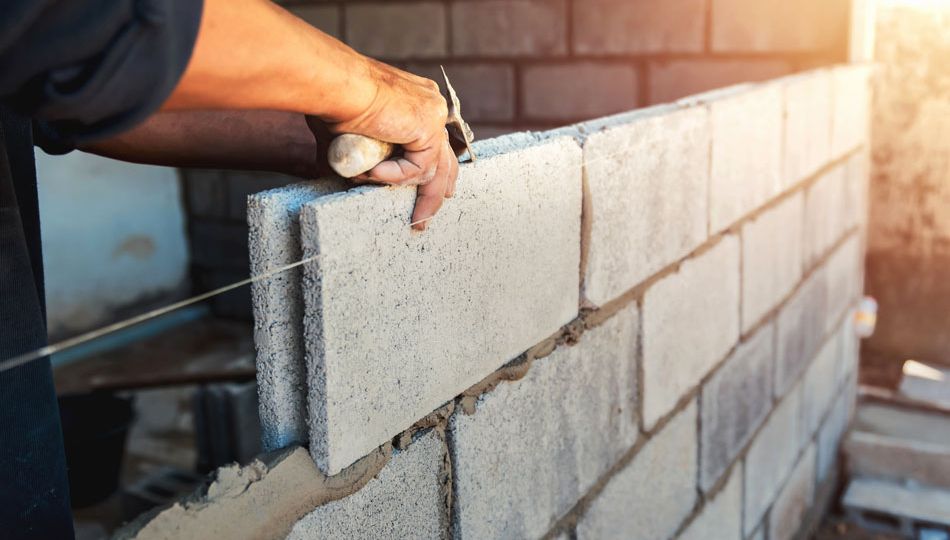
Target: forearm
(248, 140)
(253, 54)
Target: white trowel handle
(351, 155)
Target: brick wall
(636, 327)
(538, 64)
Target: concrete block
(243, 184)
(544, 440)
(852, 96)
(577, 90)
(800, 327)
(844, 275)
(796, 498)
(733, 404)
(829, 436)
(722, 516)
(858, 180)
(509, 28)
(648, 182)
(848, 350)
(746, 26)
(746, 153)
(807, 124)
(770, 458)
(679, 344)
(400, 30)
(820, 384)
(924, 382)
(910, 504)
(771, 258)
(673, 79)
(274, 241)
(405, 500)
(487, 90)
(325, 18)
(828, 212)
(638, 26)
(654, 493)
(391, 341)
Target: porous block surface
(829, 436)
(771, 258)
(654, 493)
(830, 210)
(274, 241)
(398, 322)
(746, 153)
(820, 383)
(800, 327)
(844, 275)
(722, 515)
(680, 341)
(796, 497)
(405, 500)
(771, 457)
(734, 402)
(852, 97)
(808, 110)
(536, 445)
(648, 181)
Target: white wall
(113, 232)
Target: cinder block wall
(536, 64)
(676, 283)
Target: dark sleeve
(89, 69)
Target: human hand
(410, 111)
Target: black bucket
(94, 431)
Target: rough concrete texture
(920, 503)
(800, 327)
(850, 124)
(844, 275)
(536, 445)
(495, 273)
(909, 235)
(849, 349)
(771, 457)
(771, 258)
(829, 204)
(626, 27)
(820, 384)
(746, 153)
(680, 345)
(807, 124)
(926, 382)
(721, 518)
(653, 494)
(890, 442)
(274, 241)
(261, 500)
(829, 436)
(796, 497)
(405, 500)
(648, 197)
(733, 403)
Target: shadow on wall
(113, 237)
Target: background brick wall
(535, 64)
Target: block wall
(536, 64)
(633, 327)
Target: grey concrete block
(536, 445)
(721, 518)
(733, 404)
(852, 100)
(274, 241)
(679, 344)
(800, 326)
(398, 322)
(771, 456)
(821, 384)
(654, 493)
(807, 124)
(648, 182)
(829, 436)
(844, 276)
(771, 258)
(828, 212)
(405, 500)
(796, 497)
(746, 153)
(909, 503)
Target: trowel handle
(351, 154)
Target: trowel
(351, 155)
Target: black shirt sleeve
(88, 69)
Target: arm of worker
(233, 139)
(89, 70)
